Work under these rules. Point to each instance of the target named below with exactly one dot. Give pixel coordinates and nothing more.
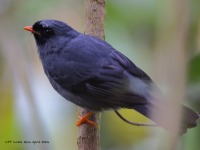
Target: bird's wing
(116, 79)
(109, 88)
(129, 66)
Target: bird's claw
(85, 119)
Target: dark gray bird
(92, 74)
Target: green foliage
(9, 129)
(194, 70)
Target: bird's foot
(85, 119)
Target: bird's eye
(48, 32)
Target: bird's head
(50, 31)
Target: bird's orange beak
(30, 29)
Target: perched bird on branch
(92, 74)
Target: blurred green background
(30, 110)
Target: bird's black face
(42, 32)
(47, 30)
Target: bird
(90, 73)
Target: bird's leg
(85, 119)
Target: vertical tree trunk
(89, 136)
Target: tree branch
(89, 136)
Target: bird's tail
(155, 113)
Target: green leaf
(194, 70)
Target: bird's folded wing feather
(129, 66)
